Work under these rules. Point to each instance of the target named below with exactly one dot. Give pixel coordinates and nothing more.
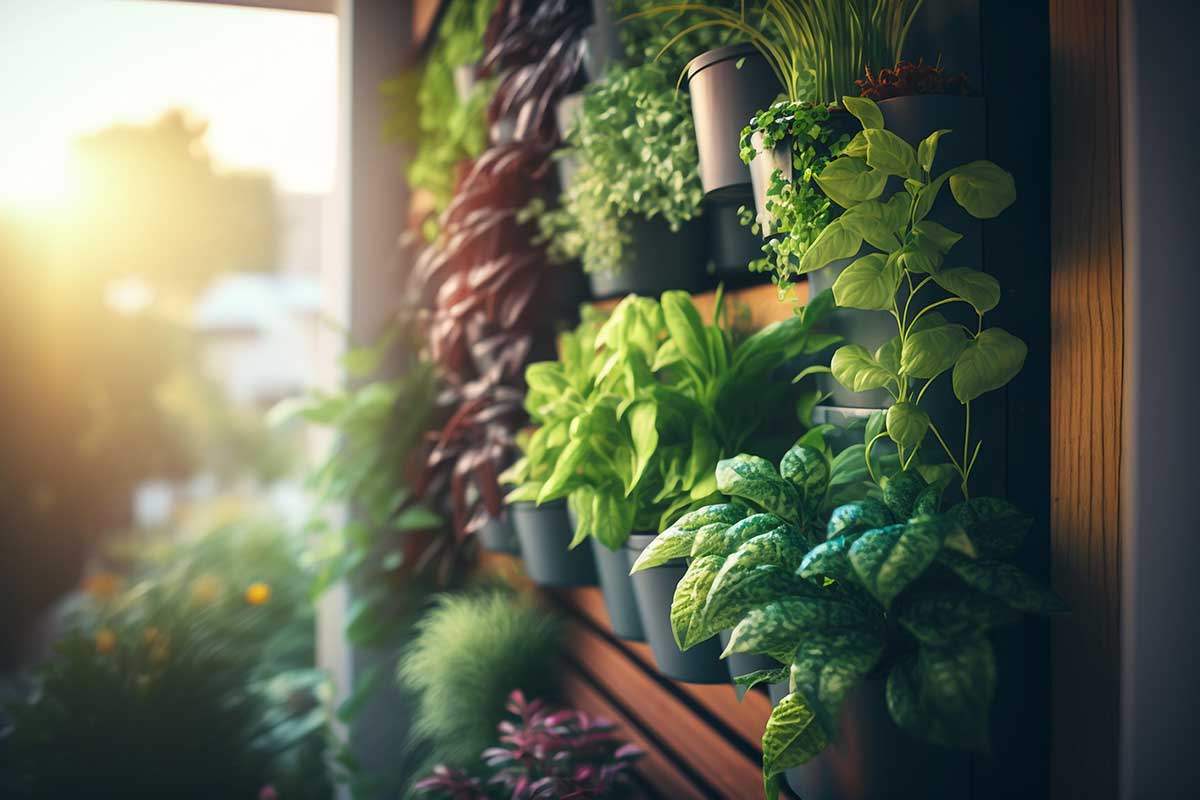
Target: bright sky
(265, 80)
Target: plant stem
(867, 455)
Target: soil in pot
(727, 86)
(873, 759)
(653, 589)
(544, 533)
(498, 536)
(732, 245)
(657, 260)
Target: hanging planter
(498, 536)
(872, 758)
(731, 245)
(545, 532)
(740, 664)
(613, 570)
(658, 260)
(654, 589)
(727, 87)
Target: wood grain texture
(751, 307)
(1087, 354)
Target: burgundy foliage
(909, 78)
(536, 47)
(544, 754)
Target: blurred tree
(83, 417)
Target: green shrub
(469, 653)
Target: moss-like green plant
(636, 147)
(469, 653)
(447, 129)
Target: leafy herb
(636, 147)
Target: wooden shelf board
(751, 306)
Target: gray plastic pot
(724, 99)
(872, 758)
(658, 260)
(653, 589)
(544, 532)
(732, 245)
(740, 664)
(613, 569)
(498, 536)
(912, 119)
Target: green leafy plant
(469, 652)
(448, 131)
(171, 651)
(841, 589)
(906, 262)
(636, 146)
(816, 48)
(798, 211)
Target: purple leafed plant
(543, 754)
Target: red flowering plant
(909, 78)
(544, 754)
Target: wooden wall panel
(1087, 356)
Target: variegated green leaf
(752, 679)
(670, 544)
(776, 628)
(830, 559)
(861, 515)
(830, 663)
(792, 737)
(754, 479)
(1005, 582)
(943, 694)
(889, 559)
(687, 606)
(900, 492)
(740, 591)
(723, 541)
(941, 615)
(996, 527)
(807, 469)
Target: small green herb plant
(839, 589)
(636, 147)
(797, 211)
(816, 48)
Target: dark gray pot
(658, 260)
(732, 245)
(724, 99)
(653, 589)
(544, 532)
(873, 759)
(912, 119)
(740, 664)
(615, 581)
(601, 48)
(498, 536)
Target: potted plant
(702, 409)
(553, 398)
(629, 208)
(888, 599)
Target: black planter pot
(912, 119)
(498, 536)
(740, 664)
(874, 759)
(724, 99)
(731, 245)
(658, 259)
(653, 589)
(544, 533)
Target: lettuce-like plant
(636, 146)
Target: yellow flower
(106, 641)
(206, 588)
(258, 593)
(102, 585)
